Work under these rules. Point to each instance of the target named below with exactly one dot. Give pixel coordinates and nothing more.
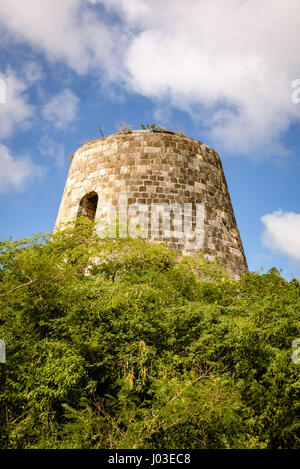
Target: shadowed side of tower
(160, 168)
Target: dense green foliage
(120, 344)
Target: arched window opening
(88, 206)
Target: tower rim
(143, 132)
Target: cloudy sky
(226, 73)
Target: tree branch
(20, 286)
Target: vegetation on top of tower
(155, 127)
(124, 128)
(158, 128)
(121, 344)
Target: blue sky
(221, 74)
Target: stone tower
(153, 168)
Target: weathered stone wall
(158, 167)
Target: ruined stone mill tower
(152, 167)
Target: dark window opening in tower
(88, 206)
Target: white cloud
(65, 30)
(16, 172)
(229, 64)
(282, 233)
(62, 109)
(32, 72)
(56, 151)
(16, 111)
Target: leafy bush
(122, 344)
(154, 127)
